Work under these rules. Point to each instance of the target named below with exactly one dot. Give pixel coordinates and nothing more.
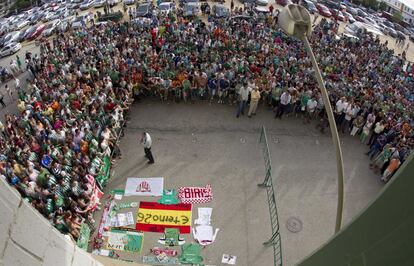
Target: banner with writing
(155, 217)
(125, 240)
(195, 194)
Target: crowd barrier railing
(275, 240)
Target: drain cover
(294, 224)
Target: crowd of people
(85, 80)
(242, 62)
(70, 116)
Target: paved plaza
(199, 144)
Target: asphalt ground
(199, 144)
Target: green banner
(125, 240)
(84, 234)
(117, 191)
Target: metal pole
(334, 132)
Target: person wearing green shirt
(43, 177)
(276, 92)
(186, 88)
(303, 101)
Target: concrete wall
(27, 238)
(383, 234)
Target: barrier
(104, 173)
(275, 239)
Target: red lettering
(197, 193)
(187, 193)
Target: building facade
(407, 10)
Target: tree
(397, 17)
(382, 6)
(373, 4)
(20, 4)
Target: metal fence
(275, 239)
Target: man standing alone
(147, 142)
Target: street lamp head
(295, 21)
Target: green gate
(275, 239)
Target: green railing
(275, 239)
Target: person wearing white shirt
(349, 115)
(9, 92)
(17, 84)
(378, 129)
(147, 143)
(243, 97)
(285, 100)
(341, 106)
(310, 108)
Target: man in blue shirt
(212, 87)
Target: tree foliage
(397, 17)
(382, 6)
(20, 5)
(372, 4)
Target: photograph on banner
(155, 217)
(194, 195)
(146, 186)
(125, 239)
(125, 219)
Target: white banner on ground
(147, 186)
(125, 219)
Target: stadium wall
(27, 238)
(382, 234)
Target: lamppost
(295, 21)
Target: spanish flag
(155, 217)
